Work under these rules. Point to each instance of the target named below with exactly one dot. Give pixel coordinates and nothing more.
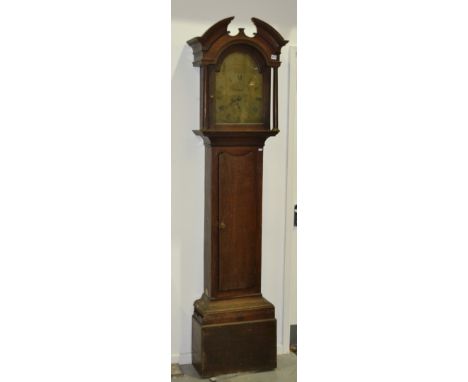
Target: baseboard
(186, 358)
(280, 349)
(181, 358)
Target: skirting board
(186, 358)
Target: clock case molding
(233, 325)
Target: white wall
(290, 259)
(190, 19)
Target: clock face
(239, 91)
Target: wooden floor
(285, 372)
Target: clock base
(235, 335)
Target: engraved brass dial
(238, 90)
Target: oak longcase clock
(233, 325)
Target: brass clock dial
(238, 90)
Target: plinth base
(234, 335)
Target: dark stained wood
(271, 35)
(275, 99)
(235, 137)
(233, 196)
(204, 97)
(233, 325)
(209, 311)
(208, 266)
(208, 47)
(196, 344)
(234, 347)
(238, 220)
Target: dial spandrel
(239, 91)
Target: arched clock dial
(239, 90)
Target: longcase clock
(233, 325)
